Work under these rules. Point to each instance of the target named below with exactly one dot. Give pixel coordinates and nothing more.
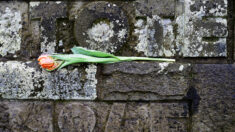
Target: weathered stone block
(101, 26)
(26, 116)
(154, 28)
(143, 81)
(13, 16)
(125, 117)
(20, 81)
(47, 13)
(201, 28)
(155, 36)
(215, 85)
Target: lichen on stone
(101, 32)
(121, 34)
(46, 46)
(17, 80)
(10, 27)
(154, 41)
(33, 4)
(163, 65)
(194, 25)
(100, 35)
(181, 67)
(23, 82)
(90, 84)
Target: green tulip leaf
(84, 51)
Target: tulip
(82, 55)
(47, 62)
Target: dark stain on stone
(194, 99)
(210, 39)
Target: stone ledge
(143, 81)
(92, 116)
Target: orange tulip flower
(47, 62)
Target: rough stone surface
(154, 27)
(201, 28)
(214, 84)
(155, 7)
(155, 36)
(12, 17)
(21, 81)
(76, 117)
(125, 117)
(143, 81)
(25, 116)
(101, 26)
(70, 116)
(48, 13)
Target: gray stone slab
(116, 117)
(22, 81)
(143, 81)
(215, 86)
(26, 116)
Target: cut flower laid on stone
(48, 62)
(82, 55)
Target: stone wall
(194, 94)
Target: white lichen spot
(181, 67)
(10, 26)
(99, 37)
(139, 23)
(222, 21)
(33, 4)
(101, 32)
(60, 43)
(163, 66)
(58, 2)
(121, 34)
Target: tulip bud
(48, 63)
